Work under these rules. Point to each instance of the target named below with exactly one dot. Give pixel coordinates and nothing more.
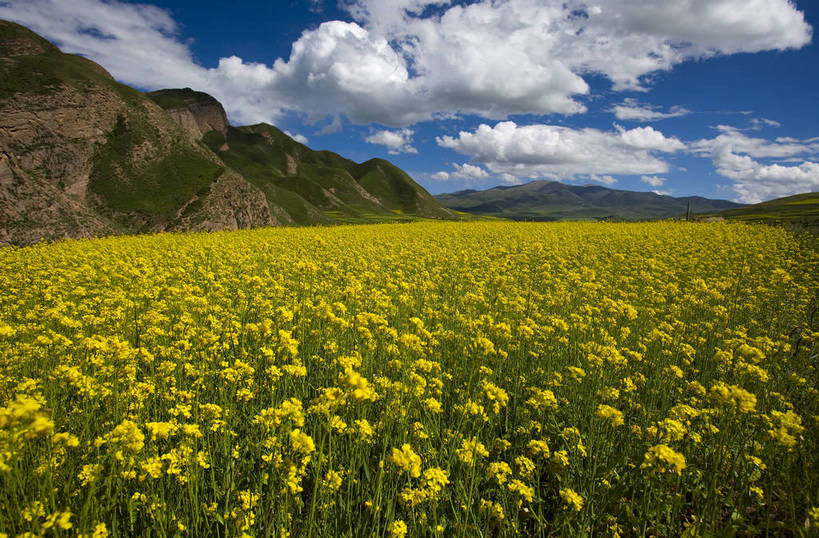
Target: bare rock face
(231, 204)
(21, 47)
(55, 139)
(198, 113)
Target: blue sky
(709, 97)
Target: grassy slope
(800, 208)
(325, 186)
(250, 154)
(397, 190)
(154, 188)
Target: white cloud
(736, 156)
(301, 139)
(469, 171)
(631, 109)
(662, 193)
(407, 61)
(755, 181)
(650, 139)
(733, 139)
(654, 181)
(760, 123)
(604, 179)
(549, 151)
(396, 141)
(509, 179)
(754, 124)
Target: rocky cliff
(197, 112)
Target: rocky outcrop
(198, 113)
(231, 203)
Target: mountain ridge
(553, 200)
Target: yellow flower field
(473, 379)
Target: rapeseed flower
(610, 414)
(572, 499)
(662, 458)
(406, 460)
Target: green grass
(155, 188)
(395, 188)
(324, 187)
(797, 209)
(46, 73)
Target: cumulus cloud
(469, 171)
(758, 166)
(738, 142)
(399, 141)
(605, 179)
(755, 181)
(301, 139)
(632, 110)
(654, 181)
(406, 61)
(555, 152)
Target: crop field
(424, 379)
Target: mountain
(798, 209)
(82, 155)
(335, 188)
(552, 200)
(313, 187)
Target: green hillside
(796, 209)
(321, 185)
(152, 188)
(33, 65)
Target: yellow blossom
(609, 413)
(571, 499)
(406, 460)
(662, 458)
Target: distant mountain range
(552, 200)
(82, 155)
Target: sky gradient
(687, 97)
